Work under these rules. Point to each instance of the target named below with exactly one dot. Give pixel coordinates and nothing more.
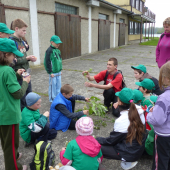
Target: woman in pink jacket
(163, 47)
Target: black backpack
(162, 35)
(118, 72)
(44, 156)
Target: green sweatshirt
(52, 60)
(22, 62)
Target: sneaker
(19, 157)
(24, 167)
(128, 165)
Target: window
(103, 16)
(121, 20)
(133, 3)
(141, 6)
(130, 27)
(65, 9)
(137, 4)
(136, 27)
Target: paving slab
(127, 55)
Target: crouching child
(84, 152)
(62, 109)
(34, 126)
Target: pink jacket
(163, 50)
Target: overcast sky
(161, 8)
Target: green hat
(5, 29)
(154, 98)
(140, 67)
(7, 45)
(56, 39)
(146, 83)
(125, 95)
(138, 95)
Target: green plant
(95, 107)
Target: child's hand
(20, 71)
(151, 109)
(87, 99)
(63, 149)
(52, 75)
(46, 114)
(27, 79)
(115, 105)
(86, 112)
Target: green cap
(146, 83)
(56, 39)
(138, 95)
(153, 98)
(5, 29)
(140, 67)
(125, 95)
(7, 45)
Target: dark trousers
(73, 122)
(9, 135)
(109, 152)
(29, 89)
(161, 153)
(45, 134)
(109, 96)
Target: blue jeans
(54, 86)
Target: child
(84, 152)
(10, 113)
(140, 74)
(62, 109)
(33, 125)
(159, 117)
(146, 87)
(53, 66)
(127, 140)
(5, 31)
(20, 27)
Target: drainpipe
(90, 40)
(114, 37)
(34, 30)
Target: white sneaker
(128, 165)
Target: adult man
(112, 83)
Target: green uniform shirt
(28, 117)
(10, 112)
(81, 160)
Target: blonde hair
(164, 72)
(167, 21)
(18, 23)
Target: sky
(161, 8)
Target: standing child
(33, 125)
(84, 152)
(10, 113)
(159, 117)
(127, 140)
(53, 66)
(62, 109)
(20, 27)
(146, 87)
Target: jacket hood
(146, 75)
(88, 145)
(16, 38)
(167, 34)
(167, 88)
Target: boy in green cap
(146, 87)
(53, 66)
(5, 31)
(10, 113)
(140, 73)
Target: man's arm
(106, 87)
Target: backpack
(44, 156)
(162, 35)
(17, 43)
(119, 71)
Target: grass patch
(41, 94)
(152, 42)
